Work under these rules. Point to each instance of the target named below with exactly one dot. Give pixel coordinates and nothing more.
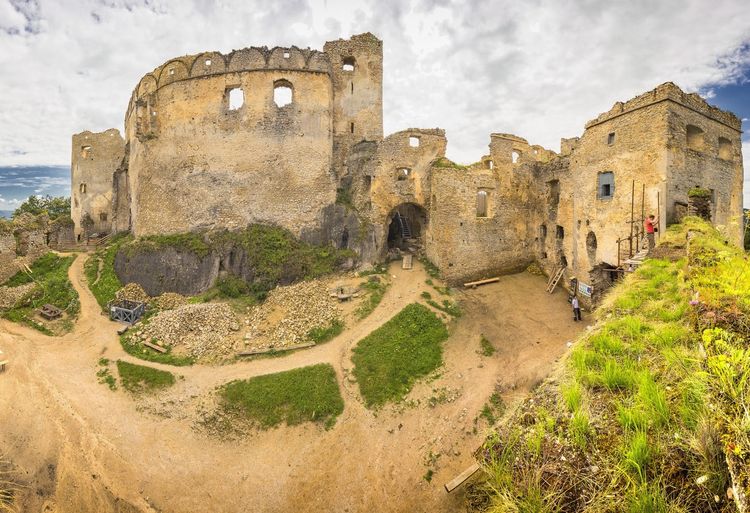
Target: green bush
(232, 286)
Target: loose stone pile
(169, 301)
(132, 292)
(203, 331)
(300, 308)
(9, 296)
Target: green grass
(138, 379)
(105, 283)
(321, 335)
(493, 408)
(307, 394)
(50, 273)
(447, 305)
(485, 347)
(580, 429)
(404, 349)
(138, 350)
(104, 375)
(655, 396)
(375, 291)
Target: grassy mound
(307, 394)
(50, 273)
(139, 379)
(651, 404)
(274, 256)
(390, 359)
(100, 272)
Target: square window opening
(414, 141)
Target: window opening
(235, 98)
(414, 141)
(351, 127)
(103, 216)
(403, 173)
(286, 55)
(85, 152)
(559, 232)
(694, 137)
(605, 185)
(725, 149)
(515, 156)
(282, 93)
(208, 62)
(611, 138)
(348, 64)
(82, 188)
(482, 203)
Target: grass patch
(104, 375)
(375, 291)
(135, 348)
(485, 347)
(307, 394)
(493, 408)
(50, 273)
(141, 379)
(321, 335)
(404, 349)
(655, 396)
(100, 271)
(430, 268)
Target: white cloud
(537, 69)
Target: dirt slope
(82, 448)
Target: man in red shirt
(651, 225)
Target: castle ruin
(294, 138)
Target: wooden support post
(482, 282)
(461, 478)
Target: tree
(53, 206)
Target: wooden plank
(461, 478)
(276, 350)
(2, 365)
(407, 262)
(154, 347)
(482, 282)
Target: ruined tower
(94, 158)
(357, 80)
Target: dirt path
(84, 448)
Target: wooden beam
(482, 282)
(461, 478)
(276, 350)
(154, 347)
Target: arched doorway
(407, 225)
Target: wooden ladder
(554, 279)
(404, 224)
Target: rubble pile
(289, 313)
(203, 331)
(169, 301)
(9, 296)
(132, 292)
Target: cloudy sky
(539, 69)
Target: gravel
(203, 331)
(289, 313)
(169, 301)
(132, 292)
(9, 296)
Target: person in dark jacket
(576, 308)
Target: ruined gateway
(210, 145)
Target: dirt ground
(80, 447)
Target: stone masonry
(210, 145)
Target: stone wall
(95, 156)
(22, 240)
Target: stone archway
(406, 227)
